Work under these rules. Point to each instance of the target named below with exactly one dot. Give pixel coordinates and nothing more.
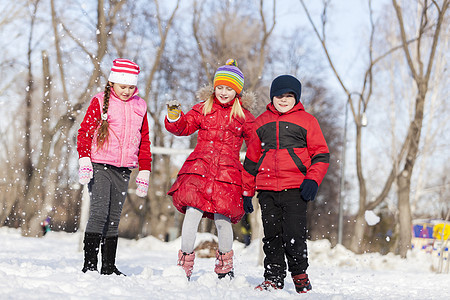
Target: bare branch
(399, 14)
(324, 47)
(78, 42)
(163, 35)
(58, 50)
(195, 27)
(436, 37)
(264, 40)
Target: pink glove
(142, 180)
(85, 172)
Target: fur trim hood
(248, 99)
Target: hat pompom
(231, 62)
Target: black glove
(248, 206)
(308, 189)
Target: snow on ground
(49, 268)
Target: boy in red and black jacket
(289, 161)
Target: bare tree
(53, 142)
(358, 102)
(407, 152)
(156, 210)
(219, 43)
(31, 198)
(420, 69)
(10, 166)
(432, 131)
(54, 137)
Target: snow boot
(186, 261)
(224, 264)
(109, 248)
(270, 285)
(91, 246)
(301, 282)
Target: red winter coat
(212, 178)
(290, 148)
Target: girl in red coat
(289, 160)
(212, 183)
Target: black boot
(109, 247)
(91, 245)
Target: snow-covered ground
(49, 268)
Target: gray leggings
(190, 227)
(108, 191)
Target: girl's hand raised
(173, 110)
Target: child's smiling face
(124, 91)
(224, 93)
(284, 103)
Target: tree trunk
(257, 229)
(29, 207)
(404, 178)
(358, 233)
(360, 223)
(35, 191)
(404, 238)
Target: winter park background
(374, 73)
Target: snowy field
(49, 268)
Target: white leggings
(190, 228)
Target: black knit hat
(286, 84)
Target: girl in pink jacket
(212, 182)
(113, 138)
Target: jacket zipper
(125, 137)
(278, 149)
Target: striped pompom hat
(230, 75)
(124, 71)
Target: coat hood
(248, 99)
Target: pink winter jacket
(128, 142)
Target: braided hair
(103, 132)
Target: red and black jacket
(290, 148)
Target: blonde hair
(103, 132)
(236, 109)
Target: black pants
(284, 222)
(108, 190)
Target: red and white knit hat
(124, 71)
